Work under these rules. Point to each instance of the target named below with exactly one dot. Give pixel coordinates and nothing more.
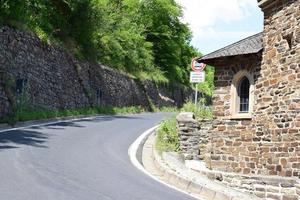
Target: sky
(217, 23)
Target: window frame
(242, 94)
(235, 100)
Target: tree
(170, 38)
(144, 38)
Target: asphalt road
(78, 160)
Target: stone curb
(176, 179)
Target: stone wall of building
(41, 76)
(265, 187)
(276, 118)
(231, 148)
(196, 143)
(266, 143)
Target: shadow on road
(11, 139)
(33, 136)
(64, 124)
(107, 118)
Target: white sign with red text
(197, 77)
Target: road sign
(197, 77)
(196, 66)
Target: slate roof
(249, 45)
(262, 3)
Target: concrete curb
(136, 149)
(191, 186)
(167, 175)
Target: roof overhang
(263, 3)
(266, 4)
(248, 46)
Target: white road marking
(132, 151)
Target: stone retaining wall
(4, 104)
(41, 76)
(193, 136)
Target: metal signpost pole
(197, 76)
(196, 96)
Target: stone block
(290, 197)
(274, 196)
(207, 193)
(288, 191)
(186, 117)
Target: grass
(37, 114)
(155, 75)
(201, 112)
(167, 137)
(165, 109)
(28, 114)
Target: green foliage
(144, 38)
(167, 137)
(37, 114)
(201, 112)
(207, 87)
(165, 109)
(170, 38)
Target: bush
(167, 137)
(201, 112)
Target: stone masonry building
(256, 104)
(257, 97)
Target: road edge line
(136, 146)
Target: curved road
(80, 160)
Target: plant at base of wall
(167, 137)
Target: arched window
(243, 95)
(241, 92)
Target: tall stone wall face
(167, 94)
(108, 87)
(41, 76)
(277, 94)
(44, 73)
(4, 103)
